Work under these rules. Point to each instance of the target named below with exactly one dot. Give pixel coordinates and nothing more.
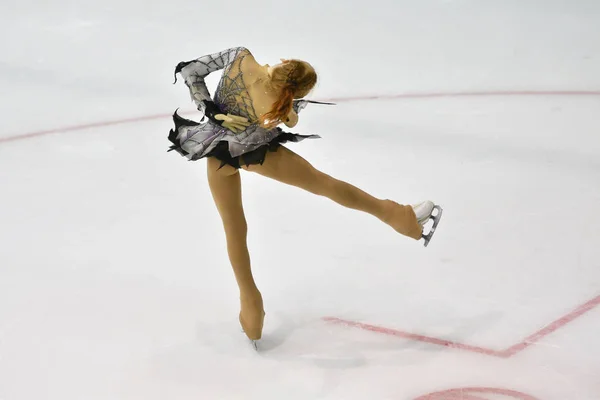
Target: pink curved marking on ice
(470, 393)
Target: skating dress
(196, 140)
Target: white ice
(114, 280)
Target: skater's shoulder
(246, 54)
(239, 54)
(240, 51)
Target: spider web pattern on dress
(232, 94)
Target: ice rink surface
(114, 280)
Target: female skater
(241, 131)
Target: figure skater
(241, 131)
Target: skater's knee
(321, 184)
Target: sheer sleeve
(193, 72)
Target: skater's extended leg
(226, 189)
(288, 167)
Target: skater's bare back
(248, 89)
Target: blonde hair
(293, 79)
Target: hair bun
(294, 79)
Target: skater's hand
(291, 120)
(234, 123)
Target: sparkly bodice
(232, 94)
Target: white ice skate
(424, 212)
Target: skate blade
(436, 220)
(253, 343)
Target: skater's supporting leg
(226, 189)
(288, 167)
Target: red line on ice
(509, 352)
(102, 124)
(548, 329)
(431, 95)
(412, 336)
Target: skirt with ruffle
(196, 140)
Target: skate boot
(424, 213)
(252, 318)
(402, 219)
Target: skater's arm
(193, 72)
